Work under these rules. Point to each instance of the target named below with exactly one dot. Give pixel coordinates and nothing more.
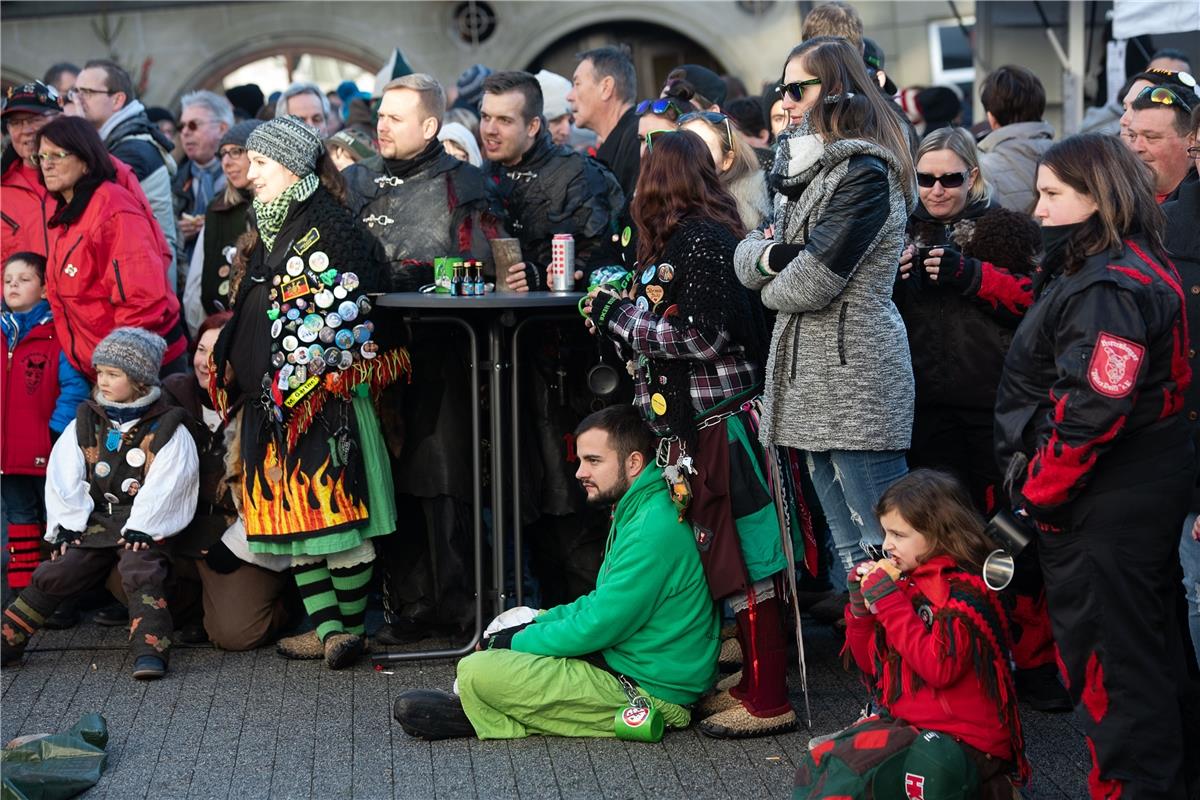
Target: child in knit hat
(122, 479)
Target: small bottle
(456, 282)
(468, 284)
(479, 287)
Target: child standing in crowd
(40, 392)
(930, 635)
(122, 478)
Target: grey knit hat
(238, 134)
(136, 352)
(288, 141)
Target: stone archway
(209, 75)
(655, 50)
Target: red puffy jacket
(26, 206)
(28, 396)
(939, 686)
(106, 270)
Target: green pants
(511, 695)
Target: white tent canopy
(1140, 17)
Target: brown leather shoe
(738, 723)
(301, 647)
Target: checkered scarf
(270, 215)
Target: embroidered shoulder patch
(1115, 364)
(305, 242)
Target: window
(950, 51)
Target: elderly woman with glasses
(107, 261)
(211, 281)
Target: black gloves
(67, 536)
(137, 537)
(502, 639)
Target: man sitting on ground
(650, 622)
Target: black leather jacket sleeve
(836, 244)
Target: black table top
(496, 301)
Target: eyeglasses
(951, 180)
(32, 121)
(1166, 96)
(795, 89)
(231, 152)
(74, 92)
(194, 125)
(51, 158)
(651, 135)
(660, 107)
(715, 119)
(1193, 152)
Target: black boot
(1041, 689)
(432, 714)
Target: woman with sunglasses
(839, 378)
(107, 262)
(211, 283)
(1100, 458)
(695, 342)
(964, 286)
(736, 164)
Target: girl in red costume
(929, 635)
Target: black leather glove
(502, 639)
(220, 559)
(66, 536)
(137, 537)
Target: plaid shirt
(720, 369)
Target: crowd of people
(854, 332)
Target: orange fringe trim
(377, 374)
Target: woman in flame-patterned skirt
(299, 365)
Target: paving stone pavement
(246, 726)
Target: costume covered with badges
(117, 471)
(1090, 434)
(305, 361)
(695, 344)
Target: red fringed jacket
(937, 654)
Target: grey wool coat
(838, 375)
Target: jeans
(1189, 558)
(848, 483)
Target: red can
(562, 263)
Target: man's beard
(614, 494)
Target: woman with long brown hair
(695, 343)
(1099, 456)
(839, 375)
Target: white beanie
(554, 94)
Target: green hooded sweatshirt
(650, 614)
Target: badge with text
(305, 242)
(1114, 366)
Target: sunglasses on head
(795, 89)
(652, 135)
(659, 107)
(951, 180)
(715, 119)
(1166, 96)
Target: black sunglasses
(795, 89)
(660, 107)
(951, 180)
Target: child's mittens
(880, 582)
(858, 605)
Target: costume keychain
(639, 720)
(676, 475)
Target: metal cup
(1010, 532)
(998, 570)
(603, 380)
(505, 253)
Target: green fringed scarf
(270, 216)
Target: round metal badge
(349, 281)
(307, 334)
(323, 298)
(102, 469)
(333, 319)
(344, 339)
(340, 292)
(348, 311)
(130, 486)
(318, 261)
(295, 265)
(135, 457)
